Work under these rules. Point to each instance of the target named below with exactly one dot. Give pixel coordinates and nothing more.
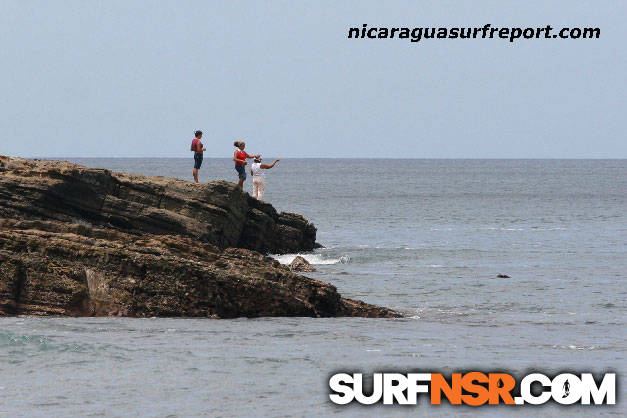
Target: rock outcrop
(76, 241)
(216, 213)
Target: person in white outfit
(259, 181)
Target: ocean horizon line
(337, 158)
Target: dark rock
(217, 213)
(300, 264)
(502, 276)
(76, 241)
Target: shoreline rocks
(76, 241)
(217, 213)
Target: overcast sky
(135, 78)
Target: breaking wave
(318, 259)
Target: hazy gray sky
(136, 78)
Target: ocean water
(425, 237)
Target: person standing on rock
(239, 157)
(259, 181)
(198, 150)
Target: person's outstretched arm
(270, 165)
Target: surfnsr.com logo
(473, 388)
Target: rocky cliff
(216, 213)
(79, 241)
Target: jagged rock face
(76, 241)
(53, 268)
(218, 213)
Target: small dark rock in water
(300, 264)
(502, 276)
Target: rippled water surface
(426, 237)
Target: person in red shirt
(198, 150)
(239, 157)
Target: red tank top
(195, 147)
(241, 155)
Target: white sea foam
(576, 347)
(316, 259)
